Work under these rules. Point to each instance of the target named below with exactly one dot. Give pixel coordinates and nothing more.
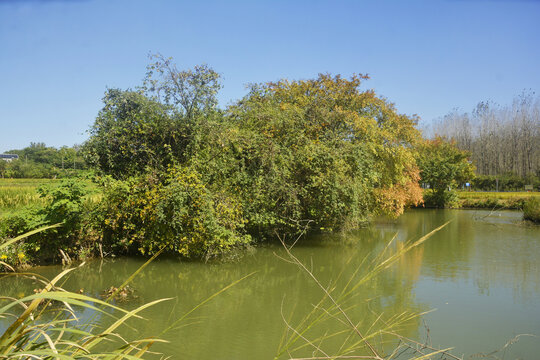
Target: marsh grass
(494, 200)
(331, 316)
(39, 331)
(46, 324)
(496, 195)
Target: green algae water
(478, 279)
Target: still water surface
(480, 275)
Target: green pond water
(480, 275)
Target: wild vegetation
(531, 210)
(494, 200)
(170, 169)
(443, 168)
(177, 171)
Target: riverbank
(76, 204)
(480, 261)
(494, 200)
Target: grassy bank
(491, 200)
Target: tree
(443, 166)
(133, 133)
(503, 140)
(190, 92)
(155, 126)
(317, 151)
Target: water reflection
(481, 272)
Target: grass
(531, 210)
(496, 195)
(39, 331)
(494, 200)
(16, 194)
(332, 317)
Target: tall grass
(39, 331)
(14, 197)
(496, 195)
(15, 194)
(332, 316)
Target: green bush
(142, 215)
(64, 204)
(531, 210)
(440, 199)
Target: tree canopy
(443, 166)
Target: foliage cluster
(179, 173)
(65, 203)
(531, 210)
(319, 152)
(177, 212)
(443, 168)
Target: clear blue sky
(428, 57)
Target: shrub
(64, 204)
(531, 210)
(177, 212)
(440, 199)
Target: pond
(480, 275)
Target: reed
(378, 340)
(39, 331)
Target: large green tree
(443, 166)
(154, 126)
(133, 133)
(317, 151)
(190, 92)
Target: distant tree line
(503, 140)
(41, 161)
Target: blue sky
(428, 57)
